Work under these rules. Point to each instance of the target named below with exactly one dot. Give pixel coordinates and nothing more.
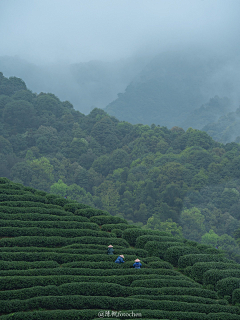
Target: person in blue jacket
(120, 259)
(110, 249)
(137, 264)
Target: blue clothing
(119, 260)
(137, 265)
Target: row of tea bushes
(53, 241)
(47, 215)
(141, 241)
(191, 259)
(213, 276)
(100, 220)
(82, 302)
(28, 204)
(122, 226)
(24, 265)
(58, 257)
(19, 282)
(106, 289)
(199, 268)
(46, 232)
(49, 224)
(131, 235)
(91, 269)
(146, 314)
(67, 269)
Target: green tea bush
(174, 253)
(75, 288)
(23, 265)
(50, 224)
(46, 232)
(167, 282)
(24, 197)
(86, 268)
(38, 241)
(236, 296)
(41, 217)
(100, 220)
(199, 268)
(4, 181)
(222, 316)
(213, 276)
(118, 232)
(38, 210)
(158, 248)
(199, 292)
(59, 257)
(27, 204)
(187, 271)
(226, 286)
(89, 314)
(19, 282)
(190, 259)
(160, 264)
(132, 235)
(72, 207)
(83, 302)
(183, 298)
(121, 226)
(90, 212)
(12, 191)
(142, 240)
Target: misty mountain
(226, 129)
(173, 85)
(86, 85)
(208, 113)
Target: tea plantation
(54, 265)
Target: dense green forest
(172, 180)
(54, 265)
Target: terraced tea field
(54, 265)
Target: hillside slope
(166, 179)
(172, 86)
(54, 265)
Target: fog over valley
(166, 57)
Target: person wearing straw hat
(120, 259)
(137, 264)
(110, 249)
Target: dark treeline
(166, 179)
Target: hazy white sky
(47, 31)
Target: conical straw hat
(121, 255)
(137, 260)
(110, 246)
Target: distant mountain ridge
(86, 84)
(171, 87)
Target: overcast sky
(46, 31)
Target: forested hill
(55, 264)
(184, 182)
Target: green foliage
(192, 222)
(131, 235)
(191, 259)
(158, 248)
(199, 268)
(173, 253)
(226, 286)
(213, 276)
(168, 226)
(142, 240)
(100, 220)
